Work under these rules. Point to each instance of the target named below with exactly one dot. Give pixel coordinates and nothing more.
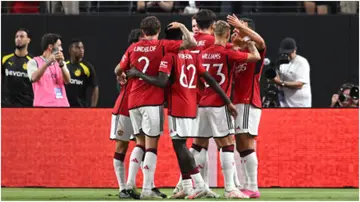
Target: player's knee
(151, 142)
(121, 146)
(140, 140)
(202, 142)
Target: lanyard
(53, 74)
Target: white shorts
(121, 128)
(149, 119)
(180, 128)
(248, 119)
(215, 122)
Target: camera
(284, 58)
(271, 98)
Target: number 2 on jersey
(219, 73)
(146, 66)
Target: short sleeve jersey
(247, 82)
(219, 62)
(182, 93)
(146, 56)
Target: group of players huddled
(211, 89)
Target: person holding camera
(49, 74)
(293, 76)
(347, 96)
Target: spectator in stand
(22, 6)
(155, 6)
(349, 7)
(321, 7)
(69, 7)
(192, 7)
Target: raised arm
(245, 30)
(188, 39)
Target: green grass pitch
(274, 194)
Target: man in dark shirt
(16, 87)
(83, 90)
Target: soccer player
(121, 130)
(248, 103)
(214, 120)
(194, 26)
(182, 71)
(83, 90)
(15, 85)
(145, 100)
(205, 20)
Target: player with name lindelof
(83, 89)
(145, 100)
(16, 89)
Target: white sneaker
(211, 194)
(149, 195)
(198, 193)
(178, 188)
(235, 193)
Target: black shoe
(157, 191)
(124, 194)
(132, 193)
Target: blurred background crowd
(180, 7)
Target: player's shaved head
(150, 26)
(221, 28)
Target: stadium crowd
(178, 7)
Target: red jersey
(247, 82)
(219, 62)
(145, 56)
(121, 104)
(182, 92)
(204, 41)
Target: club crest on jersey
(77, 72)
(241, 67)
(163, 64)
(24, 66)
(120, 132)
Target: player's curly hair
(205, 18)
(250, 22)
(150, 25)
(49, 39)
(134, 36)
(173, 34)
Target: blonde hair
(221, 28)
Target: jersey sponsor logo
(16, 73)
(240, 67)
(24, 66)
(215, 56)
(10, 63)
(185, 56)
(145, 49)
(76, 82)
(77, 72)
(163, 64)
(201, 43)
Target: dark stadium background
(330, 43)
